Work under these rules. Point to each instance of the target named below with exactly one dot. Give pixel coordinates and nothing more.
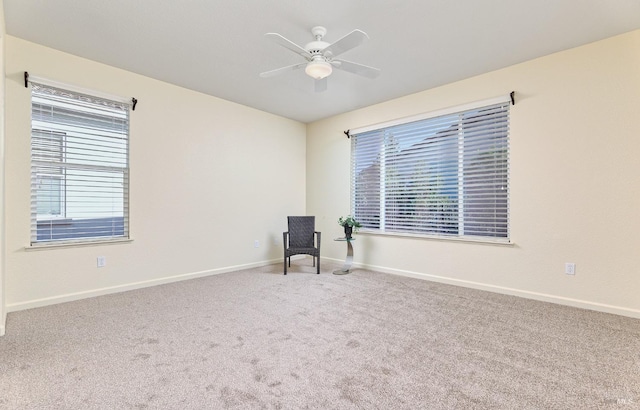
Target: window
(79, 166)
(445, 175)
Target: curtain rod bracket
(26, 79)
(347, 133)
(513, 97)
(134, 101)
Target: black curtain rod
(134, 101)
(512, 94)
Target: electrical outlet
(102, 261)
(570, 268)
(256, 243)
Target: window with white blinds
(79, 167)
(444, 176)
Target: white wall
(575, 197)
(208, 177)
(3, 312)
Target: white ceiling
(217, 46)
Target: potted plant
(350, 225)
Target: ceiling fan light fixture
(318, 69)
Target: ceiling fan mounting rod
(318, 32)
(317, 46)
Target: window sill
(479, 241)
(71, 244)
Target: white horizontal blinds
(485, 169)
(79, 166)
(443, 176)
(366, 178)
(421, 177)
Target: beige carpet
(258, 339)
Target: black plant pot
(348, 230)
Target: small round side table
(349, 259)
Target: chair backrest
(301, 229)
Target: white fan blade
(355, 68)
(346, 43)
(321, 85)
(288, 44)
(281, 70)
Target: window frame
(500, 237)
(93, 169)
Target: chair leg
(314, 261)
(285, 265)
(318, 265)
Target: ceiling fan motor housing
(316, 47)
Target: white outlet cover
(570, 268)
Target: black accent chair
(299, 240)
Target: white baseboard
(600, 307)
(561, 300)
(129, 286)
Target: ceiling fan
(320, 56)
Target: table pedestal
(349, 259)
